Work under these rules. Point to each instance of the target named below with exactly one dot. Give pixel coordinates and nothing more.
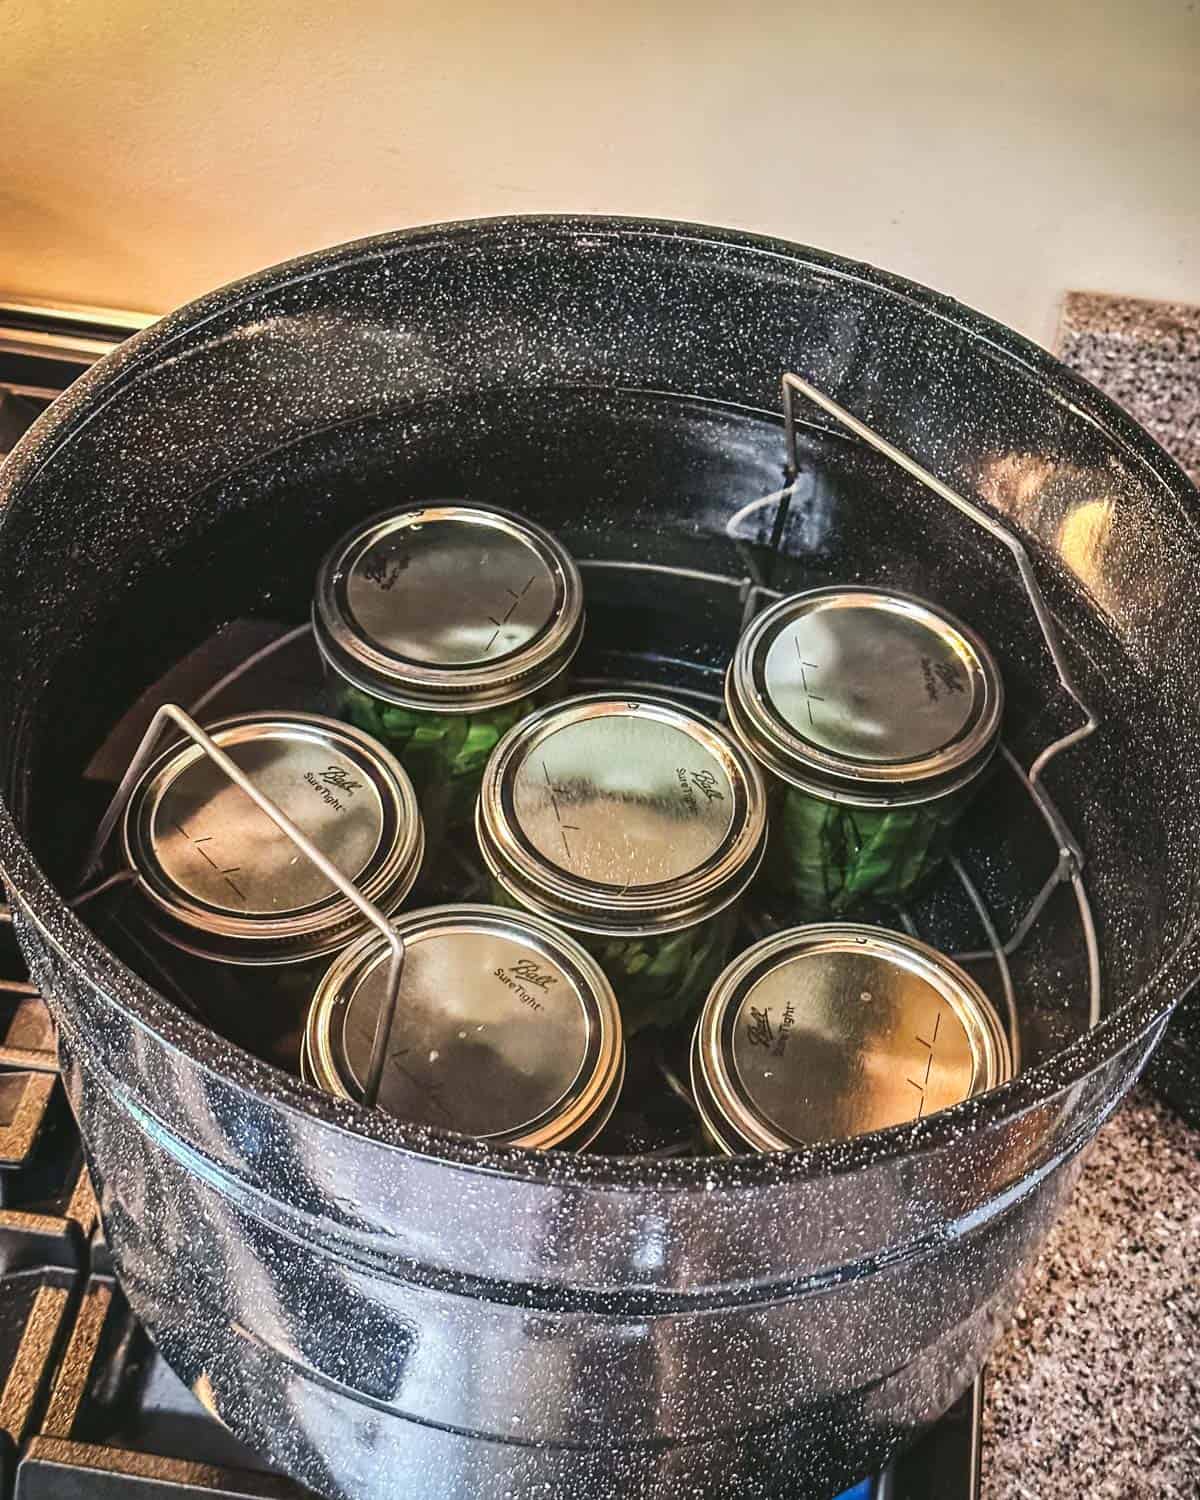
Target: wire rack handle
(171, 713)
(794, 385)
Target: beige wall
(1002, 152)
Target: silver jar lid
(224, 882)
(448, 607)
(865, 696)
(621, 816)
(506, 1029)
(825, 1032)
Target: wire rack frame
(754, 592)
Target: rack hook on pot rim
(794, 385)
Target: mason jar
(510, 1030)
(442, 626)
(875, 715)
(825, 1032)
(227, 910)
(635, 824)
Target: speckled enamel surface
(387, 1310)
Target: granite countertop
(1146, 356)
(1095, 1390)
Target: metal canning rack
(1069, 864)
(753, 592)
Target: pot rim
(37, 898)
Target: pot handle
(792, 386)
(171, 713)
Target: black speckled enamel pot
(386, 1311)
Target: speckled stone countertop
(1146, 356)
(1095, 1391)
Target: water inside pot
(677, 513)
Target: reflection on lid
(865, 693)
(493, 1033)
(870, 681)
(227, 882)
(621, 815)
(215, 844)
(448, 606)
(830, 1045)
(451, 591)
(506, 1029)
(833, 1030)
(623, 800)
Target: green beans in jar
(828, 858)
(442, 626)
(875, 716)
(636, 825)
(444, 754)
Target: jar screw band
(171, 713)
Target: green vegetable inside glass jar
(444, 754)
(442, 626)
(875, 715)
(636, 825)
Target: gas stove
(87, 1407)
